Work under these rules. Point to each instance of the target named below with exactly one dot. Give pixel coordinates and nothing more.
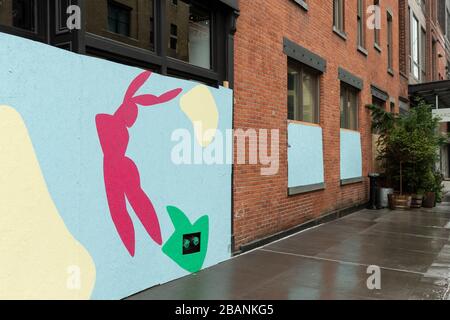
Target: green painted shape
(173, 248)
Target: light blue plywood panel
(305, 155)
(351, 155)
(58, 95)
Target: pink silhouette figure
(122, 180)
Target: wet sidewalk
(412, 248)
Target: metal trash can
(373, 191)
(383, 200)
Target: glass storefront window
(189, 28)
(21, 14)
(127, 21)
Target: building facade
(344, 66)
(425, 56)
(301, 74)
(95, 200)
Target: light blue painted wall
(305, 155)
(351, 154)
(58, 94)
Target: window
(423, 6)
(20, 14)
(24, 12)
(132, 24)
(415, 47)
(448, 25)
(433, 61)
(349, 107)
(119, 18)
(442, 13)
(376, 31)
(194, 33)
(390, 48)
(338, 16)
(173, 37)
(423, 54)
(361, 23)
(392, 106)
(188, 39)
(303, 93)
(379, 103)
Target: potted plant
(417, 199)
(434, 190)
(408, 145)
(401, 201)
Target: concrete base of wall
(327, 217)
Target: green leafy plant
(408, 148)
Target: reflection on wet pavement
(412, 249)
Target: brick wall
(261, 204)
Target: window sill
(346, 182)
(403, 74)
(312, 124)
(377, 47)
(302, 4)
(306, 189)
(363, 51)
(340, 33)
(350, 130)
(391, 72)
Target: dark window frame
(40, 34)
(423, 56)
(390, 42)
(415, 64)
(345, 91)
(392, 107)
(213, 38)
(302, 68)
(434, 60)
(223, 26)
(376, 31)
(361, 30)
(159, 60)
(123, 8)
(173, 36)
(339, 18)
(447, 29)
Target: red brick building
(329, 30)
(425, 56)
(438, 49)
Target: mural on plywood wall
(91, 203)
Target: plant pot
(429, 200)
(400, 202)
(391, 201)
(383, 197)
(416, 201)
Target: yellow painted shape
(200, 107)
(39, 257)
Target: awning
(436, 93)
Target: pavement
(331, 262)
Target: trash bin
(383, 194)
(373, 191)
